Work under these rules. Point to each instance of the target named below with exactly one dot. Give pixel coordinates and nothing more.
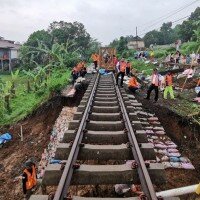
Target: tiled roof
(6, 44)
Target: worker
(29, 179)
(197, 88)
(168, 82)
(155, 82)
(121, 67)
(128, 68)
(114, 61)
(83, 72)
(95, 58)
(188, 73)
(133, 85)
(152, 56)
(79, 66)
(74, 74)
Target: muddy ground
(36, 132)
(185, 134)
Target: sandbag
(153, 119)
(174, 154)
(172, 150)
(160, 132)
(160, 146)
(174, 159)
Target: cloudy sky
(103, 19)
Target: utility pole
(136, 39)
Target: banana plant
(5, 94)
(14, 77)
(31, 78)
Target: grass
(142, 67)
(145, 68)
(25, 103)
(183, 106)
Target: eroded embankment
(36, 135)
(186, 135)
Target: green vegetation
(140, 66)
(167, 35)
(46, 60)
(25, 103)
(189, 30)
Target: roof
(8, 44)
(136, 38)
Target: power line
(171, 22)
(157, 20)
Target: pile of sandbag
(60, 127)
(166, 150)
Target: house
(136, 43)
(9, 52)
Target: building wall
(14, 54)
(135, 45)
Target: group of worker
(78, 71)
(157, 81)
(124, 67)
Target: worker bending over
(121, 67)
(133, 85)
(29, 179)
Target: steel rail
(61, 192)
(145, 180)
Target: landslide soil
(185, 134)
(36, 133)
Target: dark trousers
(74, 77)
(152, 87)
(122, 77)
(95, 64)
(133, 89)
(198, 95)
(128, 71)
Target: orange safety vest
(123, 66)
(31, 178)
(133, 82)
(95, 57)
(168, 80)
(198, 83)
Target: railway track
(105, 129)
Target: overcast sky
(105, 20)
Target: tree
(94, 46)
(42, 36)
(166, 31)
(153, 37)
(122, 45)
(186, 29)
(63, 32)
